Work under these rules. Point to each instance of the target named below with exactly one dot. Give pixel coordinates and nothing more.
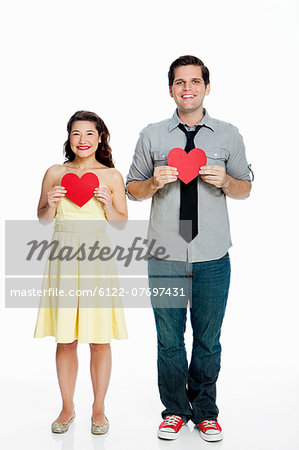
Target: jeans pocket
(226, 256)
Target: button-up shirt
(223, 146)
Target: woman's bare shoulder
(55, 171)
(111, 171)
(56, 168)
(116, 174)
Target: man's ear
(170, 91)
(208, 87)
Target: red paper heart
(80, 190)
(187, 164)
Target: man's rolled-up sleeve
(237, 165)
(142, 166)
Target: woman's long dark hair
(103, 153)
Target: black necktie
(189, 196)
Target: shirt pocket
(216, 157)
(159, 158)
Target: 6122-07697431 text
(100, 291)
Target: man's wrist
(226, 184)
(155, 187)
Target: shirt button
(215, 154)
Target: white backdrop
(113, 58)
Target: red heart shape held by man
(80, 190)
(187, 164)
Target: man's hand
(163, 175)
(215, 175)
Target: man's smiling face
(188, 89)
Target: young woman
(87, 151)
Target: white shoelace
(210, 424)
(171, 420)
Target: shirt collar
(205, 121)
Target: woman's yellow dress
(80, 300)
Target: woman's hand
(55, 195)
(113, 199)
(104, 195)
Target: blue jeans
(189, 391)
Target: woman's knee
(98, 348)
(67, 347)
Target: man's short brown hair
(188, 60)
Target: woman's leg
(100, 370)
(67, 369)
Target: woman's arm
(51, 194)
(113, 197)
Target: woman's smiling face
(84, 138)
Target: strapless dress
(80, 297)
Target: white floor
(258, 407)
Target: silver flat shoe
(62, 427)
(100, 429)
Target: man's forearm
(238, 189)
(142, 190)
(233, 188)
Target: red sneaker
(170, 427)
(210, 430)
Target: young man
(191, 221)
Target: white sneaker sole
(169, 435)
(211, 437)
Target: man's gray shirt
(223, 146)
